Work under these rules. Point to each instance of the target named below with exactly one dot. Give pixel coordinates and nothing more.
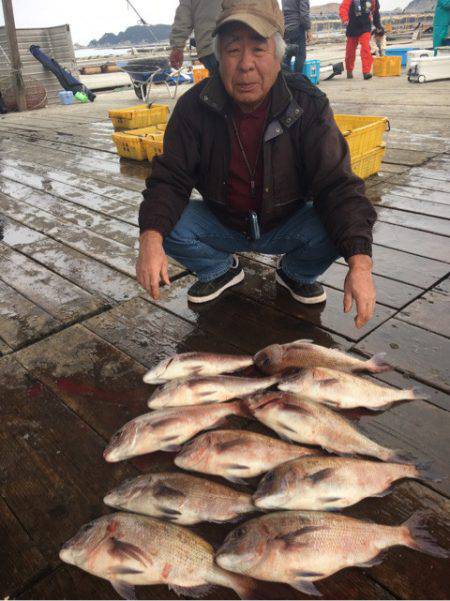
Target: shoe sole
(205, 299)
(314, 300)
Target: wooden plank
(20, 559)
(414, 191)
(410, 427)
(413, 350)
(419, 243)
(444, 285)
(414, 221)
(97, 278)
(415, 206)
(237, 319)
(56, 295)
(53, 472)
(415, 180)
(260, 286)
(433, 172)
(4, 348)
(431, 312)
(433, 395)
(16, 234)
(21, 321)
(405, 157)
(389, 292)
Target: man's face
(248, 65)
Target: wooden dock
(77, 333)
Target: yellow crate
(130, 144)
(199, 73)
(387, 66)
(154, 145)
(369, 163)
(139, 116)
(362, 132)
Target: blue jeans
(205, 246)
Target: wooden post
(16, 64)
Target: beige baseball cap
(264, 16)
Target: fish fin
(286, 427)
(284, 437)
(295, 408)
(306, 586)
(206, 393)
(426, 472)
(372, 562)
(236, 480)
(328, 382)
(229, 444)
(377, 364)
(236, 466)
(196, 592)
(169, 438)
(168, 511)
(124, 570)
(125, 590)
(167, 492)
(164, 421)
(330, 499)
(300, 574)
(399, 457)
(120, 549)
(171, 448)
(329, 403)
(320, 475)
(222, 422)
(419, 538)
(386, 492)
(298, 342)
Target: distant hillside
(325, 10)
(420, 6)
(137, 34)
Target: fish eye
(269, 477)
(242, 531)
(86, 528)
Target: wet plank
(389, 292)
(89, 274)
(431, 312)
(4, 348)
(53, 472)
(433, 172)
(21, 321)
(260, 286)
(424, 223)
(410, 192)
(413, 350)
(416, 242)
(20, 559)
(405, 157)
(237, 319)
(409, 427)
(415, 180)
(56, 295)
(405, 572)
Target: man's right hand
(176, 58)
(152, 264)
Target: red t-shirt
(251, 129)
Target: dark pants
(298, 38)
(210, 62)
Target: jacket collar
(283, 107)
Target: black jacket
(359, 16)
(304, 154)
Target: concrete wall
(54, 41)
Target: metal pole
(16, 64)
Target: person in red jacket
(359, 15)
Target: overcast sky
(92, 18)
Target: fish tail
(240, 407)
(245, 587)
(413, 394)
(378, 364)
(417, 536)
(425, 471)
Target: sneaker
(203, 292)
(309, 294)
(349, 74)
(367, 75)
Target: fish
(180, 498)
(130, 550)
(188, 365)
(331, 483)
(345, 391)
(277, 358)
(214, 389)
(307, 422)
(302, 547)
(236, 454)
(166, 429)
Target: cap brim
(261, 26)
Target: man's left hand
(359, 287)
(309, 36)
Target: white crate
(413, 55)
(430, 68)
(442, 50)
